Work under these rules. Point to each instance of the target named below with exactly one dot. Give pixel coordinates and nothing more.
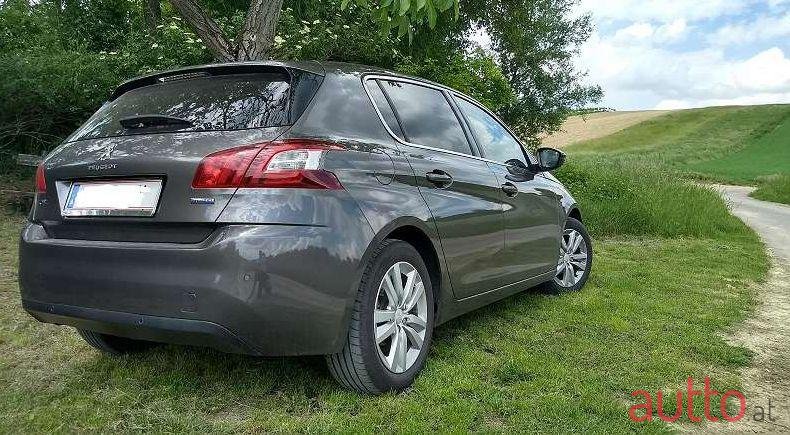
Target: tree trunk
(153, 13)
(257, 37)
(206, 29)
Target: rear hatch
(126, 174)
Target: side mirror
(550, 159)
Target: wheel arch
(424, 246)
(575, 213)
(422, 236)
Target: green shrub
(59, 64)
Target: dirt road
(767, 333)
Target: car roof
(356, 68)
(316, 67)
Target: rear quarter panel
(372, 168)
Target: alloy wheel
(401, 317)
(573, 259)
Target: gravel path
(767, 333)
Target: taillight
(41, 181)
(292, 163)
(224, 168)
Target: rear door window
(209, 103)
(426, 116)
(497, 143)
(380, 100)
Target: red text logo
(709, 395)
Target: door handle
(439, 178)
(510, 189)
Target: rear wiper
(144, 121)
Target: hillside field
(748, 145)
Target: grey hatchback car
(293, 208)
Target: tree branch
(257, 37)
(206, 29)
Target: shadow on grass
(529, 362)
(183, 370)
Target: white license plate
(113, 198)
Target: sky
(671, 54)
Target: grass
(726, 144)
(667, 283)
(762, 157)
(775, 189)
(644, 201)
(674, 273)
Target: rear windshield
(210, 103)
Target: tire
(113, 345)
(363, 364)
(556, 285)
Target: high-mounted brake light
(293, 163)
(41, 181)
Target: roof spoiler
(215, 70)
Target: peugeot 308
(296, 208)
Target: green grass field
(674, 272)
(738, 145)
(668, 282)
(761, 157)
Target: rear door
(460, 189)
(531, 208)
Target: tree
(61, 58)
(255, 40)
(153, 13)
(536, 42)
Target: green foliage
(536, 42)
(61, 58)
(404, 15)
(320, 30)
(58, 70)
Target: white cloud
(636, 30)
(637, 76)
(763, 28)
(672, 53)
(665, 10)
(644, 31)
(768, 71)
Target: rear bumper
(255, 289)
(141, 327)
